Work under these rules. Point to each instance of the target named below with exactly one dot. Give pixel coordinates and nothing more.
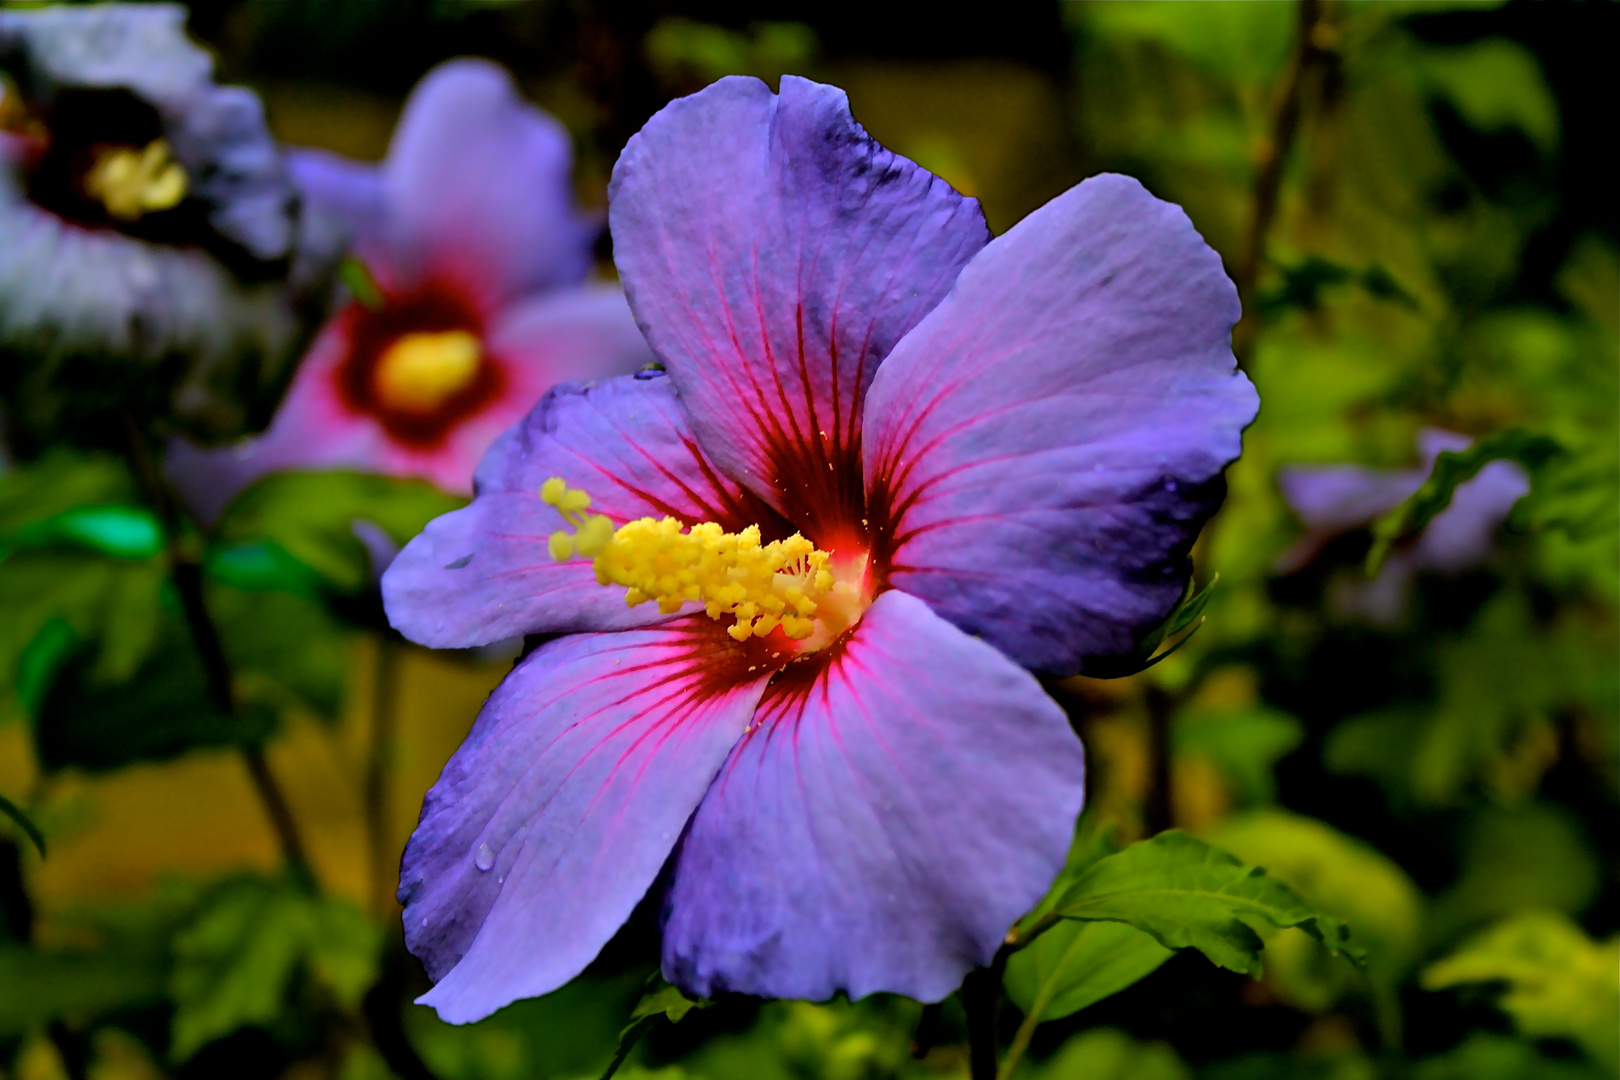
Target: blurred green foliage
(1442, 253)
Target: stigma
(132, 182)
(785, 584)
(419, 372)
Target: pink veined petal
(313, 429)
(553, 818)
(479, 189)
(1043, 448)
(774, 253)
(483, 573)
(895, 808)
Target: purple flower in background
(1333, 500)
(907, 466)
(153, 258)
(472, 236)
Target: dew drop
(484, 858)
(654, 370)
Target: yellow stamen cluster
(131, 182)
(420, 371)
(764, 586)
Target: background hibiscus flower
(479, 257)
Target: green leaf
(356, 277)
(56, 597)
(236, 963)
(162, 711)
(261, 566)
(1107, 1054)
(123, 532)
(1556, 982)
(660, 1002)
(1451, 470)
(60, 481)
(1187, 613)
(310, 517)
(1242, 745)
(1076, 964)
(76, 984)
(1188, 894)
(24, 822)
(1494, 84)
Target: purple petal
(349, 194)
(1338, 498)
(551, 821)
(775, 253)
(887, 819)
(1460, 535)
(1044, 447)
(484, 573)
(480, 189)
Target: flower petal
(480, 189)
(556, 814)
(1044, 447)
(775, 253)
(572, 334)
(893, 811)
(350, 193)
(483, 573)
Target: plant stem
(1159, 809)
(384, 722)
(186, 573)
(1308, 52)
(981, 1000)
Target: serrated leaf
(1188, 894)
(24, 822)
(1076, 964)
(1453, 468)
(310, 517)
(661, 1002)
(235, 963)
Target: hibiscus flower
(1333, 500)
(479, 256)
(153, 259)
(906, 469)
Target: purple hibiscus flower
(480, 255)
(1332, 500)
(154, 262)
(902, 466)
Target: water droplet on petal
(653, 370)
(484, 858)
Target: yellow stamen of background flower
(419, 372)
(763, 586)
(131, 182)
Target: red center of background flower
(418, 365)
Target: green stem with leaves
(186, 572)
(1309, 51)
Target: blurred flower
(855, 781)
(152, 256)
(477, 256)
(1333, 500)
